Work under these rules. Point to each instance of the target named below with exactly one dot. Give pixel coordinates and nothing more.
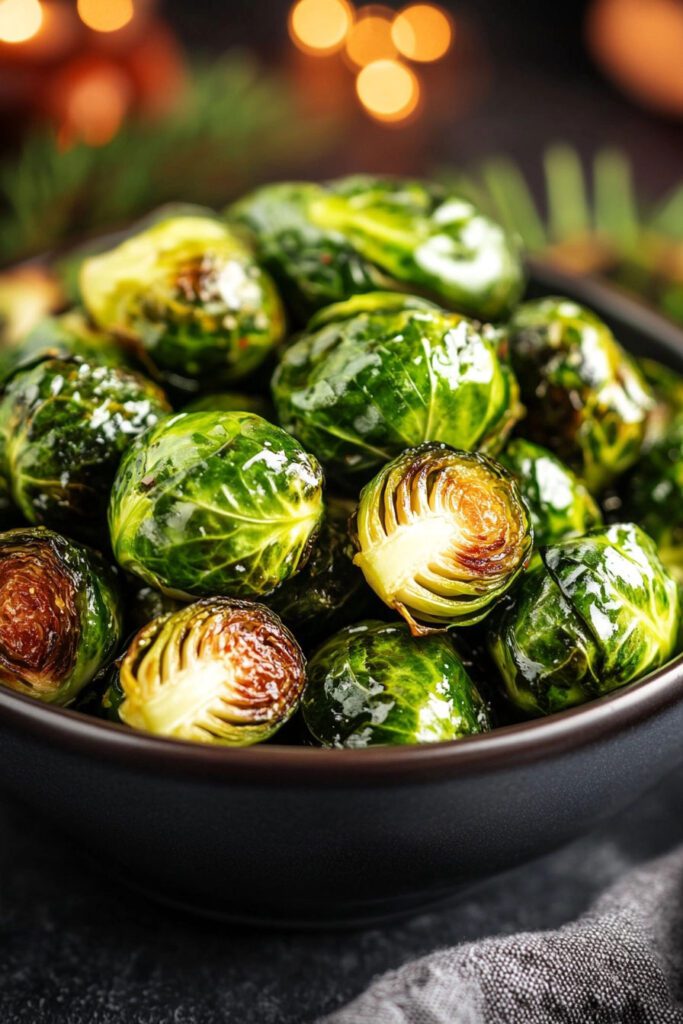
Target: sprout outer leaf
(325, 243)
(586, 399)
(215, 503)
(377, 380)
(375, 684)
(598, 611)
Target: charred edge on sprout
(265, 663)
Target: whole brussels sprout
(325, 243)
(218, 671)
(61, 337)
(596, 613)
(215, 503)
(231, 401)
(191, 294)
(64, 425)
(586, 399)
(375, 684)
(60, 617)
(559, 504)
(330, 591)
(442, 535)
(653, 496)
(387, 372)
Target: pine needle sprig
(234, 124)
(588, 219)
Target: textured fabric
(621, 962)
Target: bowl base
(323, 916)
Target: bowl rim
(512, 745)
(502, 748)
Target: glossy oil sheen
(308, 836)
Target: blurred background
(564, 119)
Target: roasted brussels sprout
(596, 613)
(586, 399)
(330, 591)
(191, 294)
(559, 504)
(653, 496)
(60, 616)
(231, 401)
(63, 427)
(374, 683)
(387, 372)
(324, 243)
(442, 535)
(61, 337)
(218, 671)
(215, 503)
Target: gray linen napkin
(622, 962)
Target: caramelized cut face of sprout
(39, 627)
(442, 534)
(218, 671)
(59, 615)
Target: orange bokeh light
(369, 38)
(96, 106)
(388, 90)
(640, 44)
(422, 32)
(105, 15)
(20, 20)
(320, 26)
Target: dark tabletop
(77, 948)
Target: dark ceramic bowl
(303, 836)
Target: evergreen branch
(234, 124)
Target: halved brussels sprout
(387, 372)
(330, 591)
(375, 684)
(559, 503)
(442, 535)
(586, 399)
(64, 425)
(232, 401)
(324, 243)
(191, 294)
(218, 671)
(215, 503)
(62, 337)
(60, 616)
(596, 613)
(653, 495)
